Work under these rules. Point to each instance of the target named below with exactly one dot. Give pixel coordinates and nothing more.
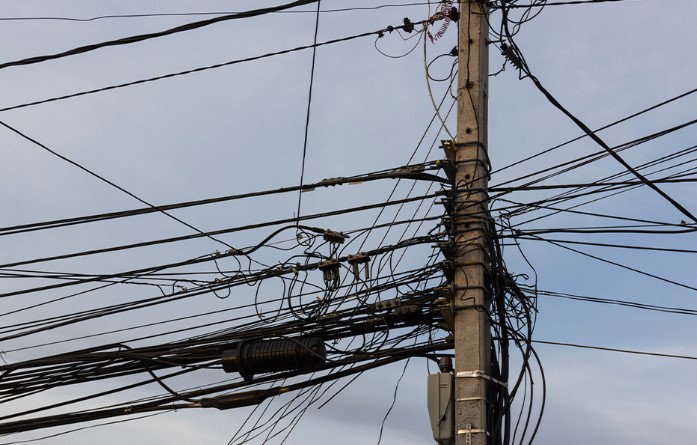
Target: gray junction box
(440, 407)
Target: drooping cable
(309, 107)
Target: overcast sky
(241, 128)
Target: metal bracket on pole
(468, 433)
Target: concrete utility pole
(471, 299)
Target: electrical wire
(143, 37)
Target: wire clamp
(361, 258)
(470, 399)
(334, 237)
(471, 431)
(480, 375)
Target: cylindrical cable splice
(254, 357)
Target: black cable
(595, 137)
(112, 184)
(221, 402)
(611, 185)
(309, 107)
(63, 433)
(204, 68)
(215, 232)
(610, 245)
(562, 3)
(605, 127)
(622, 189)
(200, 13)
(623, 351)
(153, 35)
(621, 303)
(53, 322)
(415, 172)
(623, 266)
(542, 206)
(596, 156)
(605, 192)
(394, 400)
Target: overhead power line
(562, 3)
(526, 70)
(605, 127)
(221, 231)
(616, 246)
(309, 107)
(581, 2)
(153, 35)
(620, 265)
(541, 206)
(158, 405)
(589, 184)
(621, 303)
(624, 351)
(200, 13)
(612, 153)
(413, 172)
(111, 183)
(378, 32)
